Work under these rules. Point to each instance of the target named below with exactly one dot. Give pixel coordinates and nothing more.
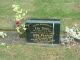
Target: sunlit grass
(36, 52)
(61, 9)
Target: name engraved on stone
(42, 32)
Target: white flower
(66, 29)
(13, 5)
(73, 32)
(23, 25)
(18, 29)
(23, 14)
(19, 12)
(24, 28)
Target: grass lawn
(37, 52)
(67, 10)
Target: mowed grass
(63, 9)
(37, 52)
(66, 10)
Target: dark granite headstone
(43, 30)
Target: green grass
(37, 52)
(62, 9)
(67, 10)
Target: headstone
(43, 30)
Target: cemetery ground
(38, 52)
(18, 49)
(13, 47)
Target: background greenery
(66, 10)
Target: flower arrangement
(19, 15)
(73, 32)
(72, 35)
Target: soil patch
(12, 38)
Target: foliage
(21, 29)
(19, 15)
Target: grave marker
(43, 30)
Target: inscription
(42, 32)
